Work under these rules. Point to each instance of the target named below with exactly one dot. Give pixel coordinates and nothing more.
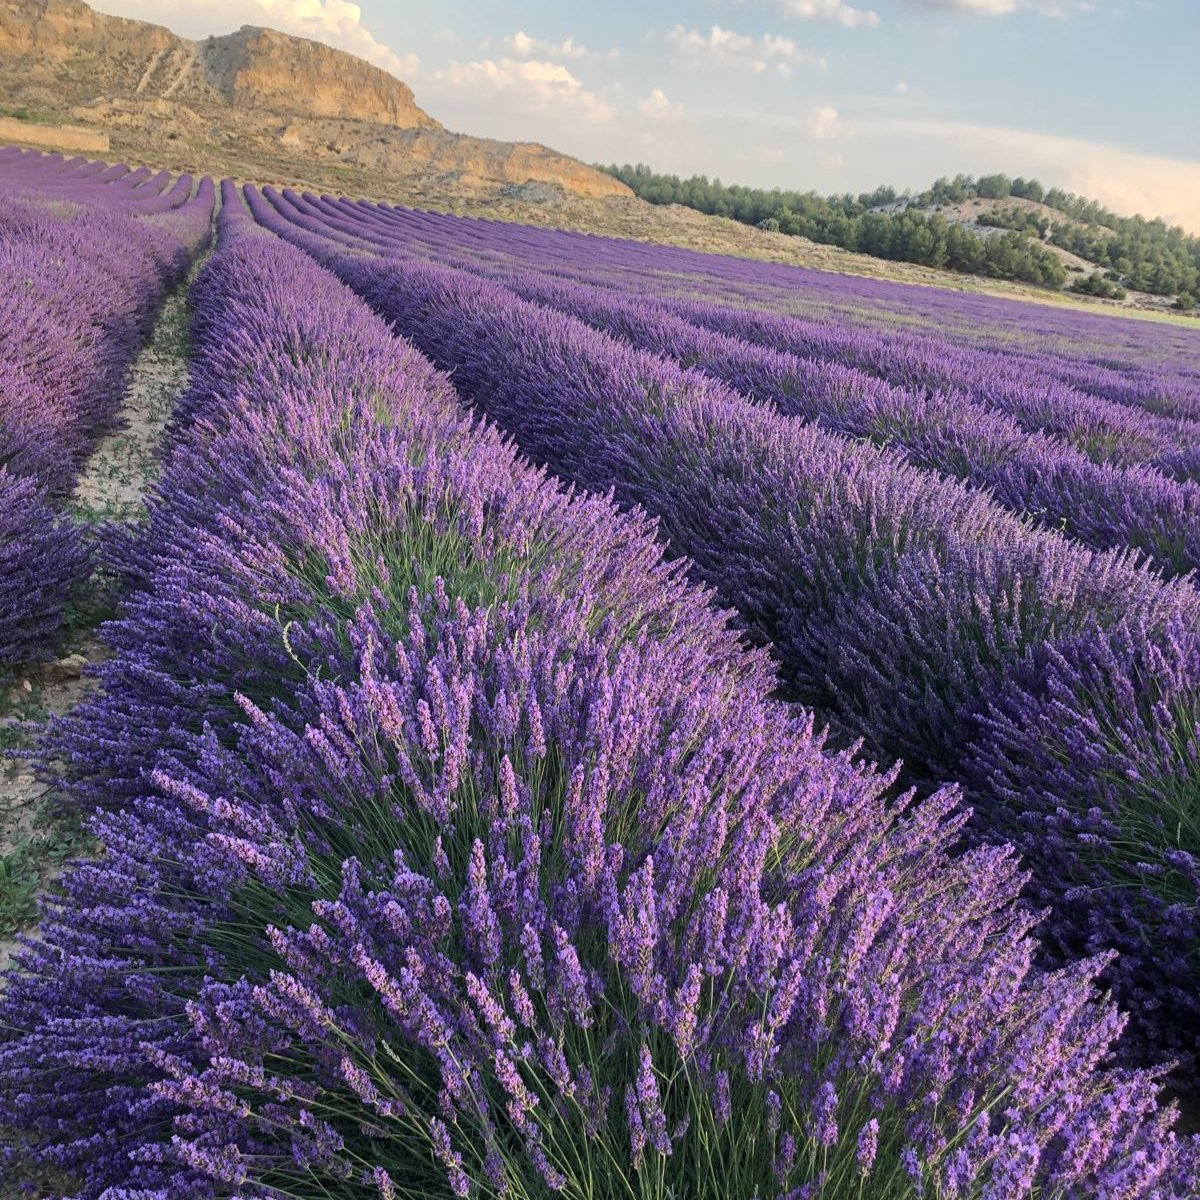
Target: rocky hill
(248, 103)
(973, 214)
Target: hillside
(1144, 255)
(1005, 229)
(251, 102)
(992, 218)
(974, 214)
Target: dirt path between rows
(36, 836)
(125, 462)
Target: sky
(1098, 96)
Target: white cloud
(724, 47)
(339, 23)
(521, 45)
(1059, 9)
(979, 8)
(658, 107)
(829, 10)
(335, 22)
(1125, 180)
(902, 88)
(529, 86)
(824, 123)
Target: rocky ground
(36, 836)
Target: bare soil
(125, 461)
(36, 834)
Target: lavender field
(591, 719)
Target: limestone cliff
(261, 68)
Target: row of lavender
(1104, 505)
(1152, 365)
(1152, 419)
(453, 846)
(1161, 376)
(86, 255)
(1059, 686)
(70, 183)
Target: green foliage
(36, 835)
(1096, 284)
(989, 187)
(1019, 219)
(1147, 255)
(32, 858)
(22, 112)
(994, 187)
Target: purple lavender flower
(187, 1015)
(868, 1146)
(912, 611)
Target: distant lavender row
(1135, 361)
(80, 294)
(1104, 429)
(80, 282)
(77, 182)
(472, 855)
(82, 290)
(1059, 685)
(1103, 506)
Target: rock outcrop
(58, 31)
(268, 96)
(260, 68)
(253, 69)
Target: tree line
(906, 235)
(1147, 255)
(1143, 253)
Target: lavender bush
(1103, 429)
(455, 847)
(1104, 505)
(1116, 723)
(82, 274)
(964, 338)
(80, 294)
(904, 606)
(42, 560)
